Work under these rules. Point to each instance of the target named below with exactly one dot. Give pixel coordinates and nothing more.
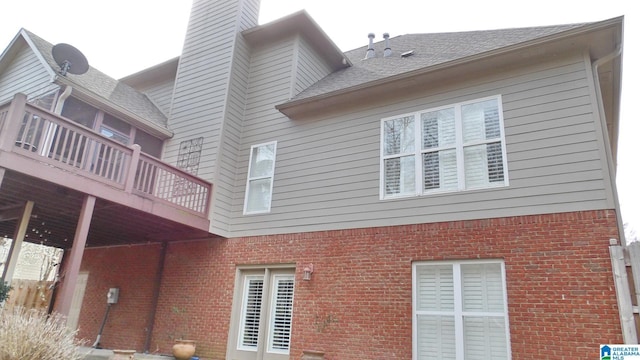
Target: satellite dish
(70, 59)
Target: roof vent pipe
(387, 48)
(371, 53)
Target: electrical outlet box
(112, 295)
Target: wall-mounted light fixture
(308, 270)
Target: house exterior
(444, 196)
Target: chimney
(371, 53)
(387, 48)
(213, 63)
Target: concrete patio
(104, 354)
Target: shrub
(4, 291)
(32, 334)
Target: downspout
(603, 123)
(156, 294)
(51, 128)
(60, 103)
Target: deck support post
(16, 244)
(72, 268)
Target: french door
(263, 312)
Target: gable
(105, 92)
(23, 70)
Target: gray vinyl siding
(203, 78)
(327, 169)
(25, 74)
(270, 82)
(231, 138)
(160, 95)
(310, 67)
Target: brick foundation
(358, 304)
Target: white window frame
(459, 147)
(250, 179)
(270, 275)
(272, 311)
(243, 310)
(458, 312)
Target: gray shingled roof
(108, 89)
(429, 50)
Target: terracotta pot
(122, 355)
(184, 349)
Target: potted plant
(184, 348)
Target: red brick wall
(358, 304)
(133, 270)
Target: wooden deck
(50, 149)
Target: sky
(121, 37)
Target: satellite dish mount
(70, 59)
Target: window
(110, 126)
(452, 148)
(281, 314)
(252, 305)
(115, 129)
(460, 311)
(265, 314)
(262, 161)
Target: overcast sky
(121, 37)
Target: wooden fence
(30, 294)
(625, 261)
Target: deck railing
(50, 138)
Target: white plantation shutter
(482, 292)
(460, 311)
(252, 305)
(485, 338)
(482, 288)
(437, 337)
(452, 148)
(482, 144)
(434, 288)
(439, 164)
(281, 314)
(435, 323)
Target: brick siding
(358, 304)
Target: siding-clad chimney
(210, 83)
(371, 52)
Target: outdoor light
(308, 270)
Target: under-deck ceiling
(57, 210)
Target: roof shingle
(110, 90)
(428, 50)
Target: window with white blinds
(451, 148)
(460, 311)
(251, 308)
(281, 314)
(262, 161)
